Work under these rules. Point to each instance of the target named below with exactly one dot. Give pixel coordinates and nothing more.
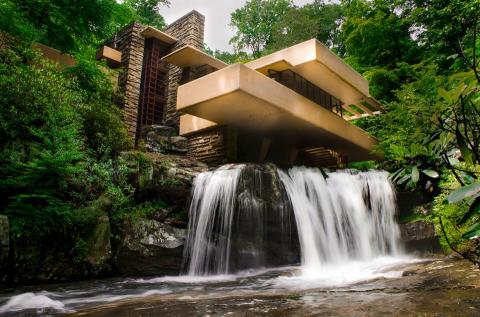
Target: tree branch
(452, 247)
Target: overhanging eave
(241, 97)
(189, 56)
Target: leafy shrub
(450, 214)
(59, 135)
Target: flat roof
(241, 97)
(316, 63)
(189, 56)
(150, 31)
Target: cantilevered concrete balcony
(243, 97)
(317, 64)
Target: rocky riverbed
(442, 287)
(384, 287)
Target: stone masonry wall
(210, 146)
(131, 43)
(188, 30)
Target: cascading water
(340, 227)
(240, 218)
(211, 208)
(343, 217)
(248, 216)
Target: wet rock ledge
(150, 244)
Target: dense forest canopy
(60, 132)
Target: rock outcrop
(419, 237)
(99, 250)
(162, 177)
(149, 247)
(163, 139)
(418, 234)
(50, 260)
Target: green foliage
(146, 11)
(318, 20)
(451, 214)
(58, 137)
(135, 212)
(79, 251)
(229, 58)
(180, 215)
(464, 192)
(60, 131)
(102, 124)
(376, 34)
(444, 26)
(64, 24)
(363, 166)
(253, 23)
(473, 210)
(421, 59)
(40, 145)
(73, 25)
(414, 217)
(473, 232)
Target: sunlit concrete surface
(242, 97)
(316, 63)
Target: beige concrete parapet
(150, 31)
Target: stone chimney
(188, 30)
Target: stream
(386, 286)
(263, 241)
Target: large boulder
(99, 250)
(419, 237)
(163, 139)
(413, 202)
(167, 178)
(149, 247)
(264, 233)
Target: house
(290, 107)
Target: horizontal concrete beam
(112, 56)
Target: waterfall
(252, 216)
(347, 216)
(211, 209)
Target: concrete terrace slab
(316, 63)
(242, 97)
